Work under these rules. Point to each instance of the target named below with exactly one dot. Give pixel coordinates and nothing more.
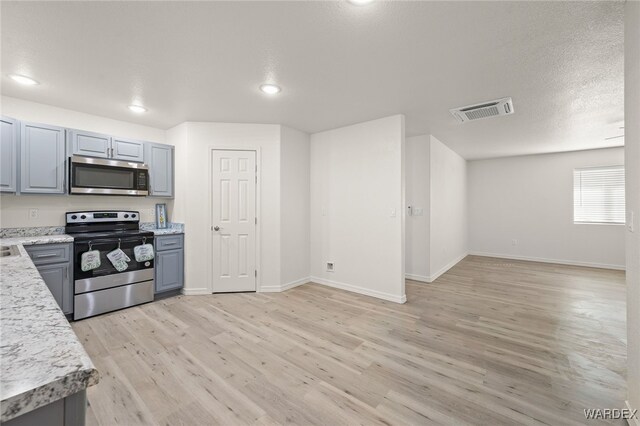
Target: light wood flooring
(490, 342)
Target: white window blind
(598, 195)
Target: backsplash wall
(51, 208)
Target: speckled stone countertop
(42, 359)
(172, 228)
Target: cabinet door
(160, 161)
(58, 279)
(127, 150)
(89, 144)
(42, 152)
(169, 270)
(8, 154)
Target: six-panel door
(42, 153)
(8, 154)
(234, 220)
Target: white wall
(632, 153)
(193, 195)
(417, 196)
(448, 209)
(51, 208)
(530, 199)
(294, 207)
(357, 208)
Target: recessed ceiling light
(360, 2)
(22, 79)
(270, 89)
(137, 108)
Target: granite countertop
(168, 231)
(172, 228)
(42, 359)
(37, 239)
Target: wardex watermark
(610, 413)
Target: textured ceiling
(338, 64)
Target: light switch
(418, 211)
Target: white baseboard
(634, 421)
(446, 267)
(195, 291)
(414, 277)
(283, 287)
(360, 290)
(295, 283)
(545, 260)
(432, 278)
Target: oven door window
(106, 267)
(95, 176)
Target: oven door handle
(114, 240)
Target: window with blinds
(598, 195)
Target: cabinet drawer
(49, 253)
(169, 242)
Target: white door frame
(258, 152)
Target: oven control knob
(83, 217)
(126, 216)
(74, 217)
(133, 216)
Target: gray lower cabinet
(169, 262)
(69, 411)
(160, 159)
(57, 277)
(9, 154)
(55, 265)
(42, 159)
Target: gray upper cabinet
(89, 144)
(127, 150)
(160, 161)
(42, 159)
(9, 154)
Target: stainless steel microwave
(98, 176)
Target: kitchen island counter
(42, 360)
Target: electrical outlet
(33, 213)
(330, 267)
(514, 242)
(418, 211)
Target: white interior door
(234, 221)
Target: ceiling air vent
(502, 106)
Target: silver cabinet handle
(170, 244)
(46, 255)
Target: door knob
(216, 228)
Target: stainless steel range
(104, 288)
